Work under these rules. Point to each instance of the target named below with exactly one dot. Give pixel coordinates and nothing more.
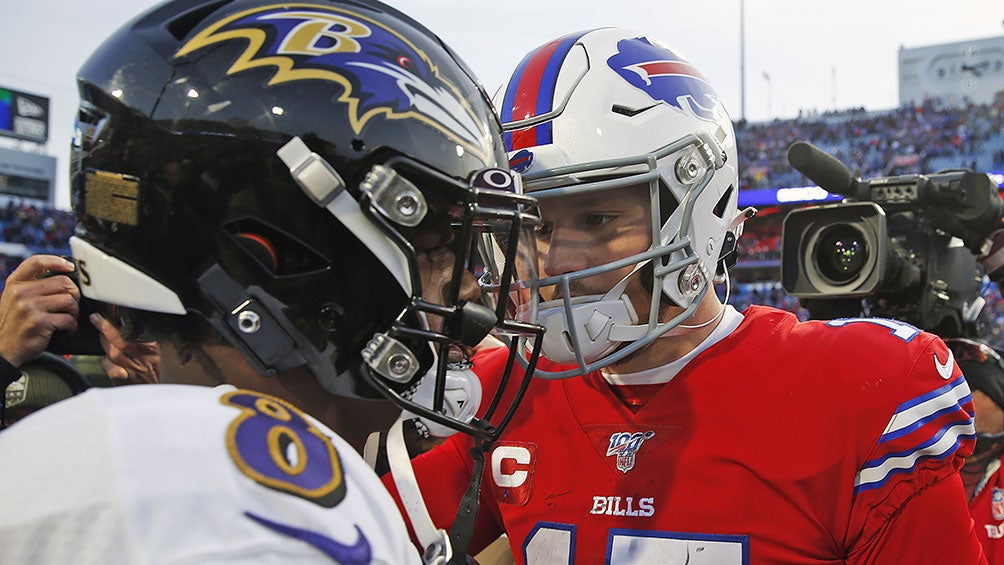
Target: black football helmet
(279, 169)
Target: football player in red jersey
(981, 474)
(667, 427)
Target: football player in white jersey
(293, 200)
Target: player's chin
(460, 354)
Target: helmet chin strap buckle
(249, 323)
(461, 399)
(713, 148)
(692, 280)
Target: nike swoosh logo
(358, 553)
(945, 370)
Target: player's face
(590, 229)
(989, 418)
(435, 245)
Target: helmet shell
(175, 171)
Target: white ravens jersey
(185, 474)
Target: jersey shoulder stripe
(930, 426)
(914, 414)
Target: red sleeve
(909, 503)
(932, 527)
(443, 474)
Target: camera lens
(841, 253)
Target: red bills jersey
(987, 509)
(785, 442)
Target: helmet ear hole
(277, 251)
(260, 248)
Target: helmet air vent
(276, 251)
(723, 202)
(629, 112)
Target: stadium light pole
(742, 60)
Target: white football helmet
(611, 108)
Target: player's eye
(439, 230)
(596, 220)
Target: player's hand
(992, 256)
(36, 302)
(126, 362)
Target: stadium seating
(910, 139)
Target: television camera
(899, 247)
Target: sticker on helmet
(664, 76)
(381, 72)
(111, 196)
(521, 161)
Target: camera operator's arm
(126, 362)
(35, 303)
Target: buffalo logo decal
(380, 71)
(664, 76)
(521, 161)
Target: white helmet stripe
(105, 278)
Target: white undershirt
(730, 320)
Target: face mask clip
(390, 359)
(394, 196)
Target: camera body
(899, 247)
(86, 340)
(856, 259)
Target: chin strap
(467, 514)
(634, 333)
(584, 326)
(439, 547)
(436, 543)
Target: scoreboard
(24, 116)
(967, 71)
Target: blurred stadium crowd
(910, 139)
(28, 229)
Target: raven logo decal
(664, 76)
(380, 71)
